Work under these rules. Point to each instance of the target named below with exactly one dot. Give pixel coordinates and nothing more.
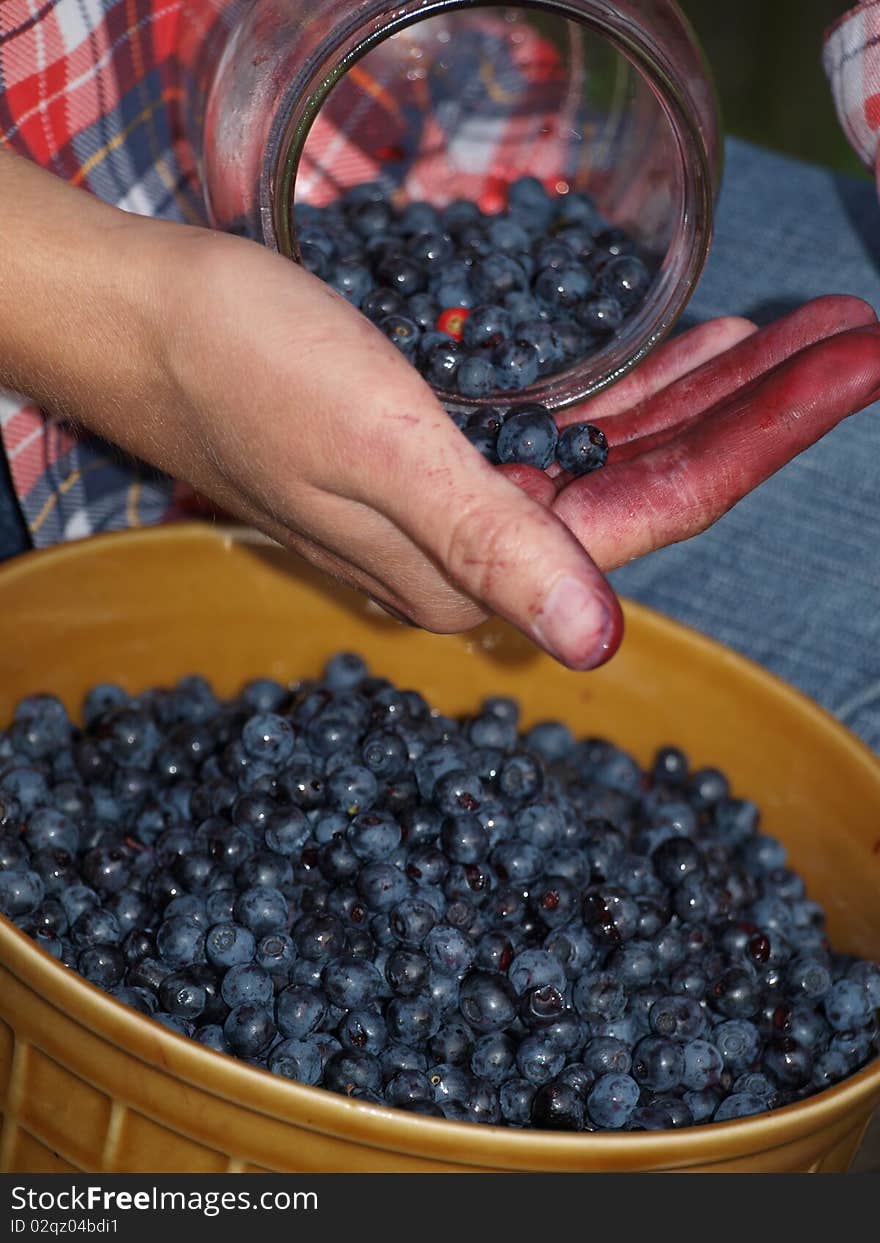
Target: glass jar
(293, 101)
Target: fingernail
(575, 625)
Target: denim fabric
(791, 576)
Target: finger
(494, 542)
(756, 353)
(681, 488)
(362, 550)
(368, 551)
(663, 367)
(537, 484)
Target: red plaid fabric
(851, 57)
(90, 90)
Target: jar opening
(444, 102)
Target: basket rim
(321, 1111)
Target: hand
(231, 368)
(705, 420)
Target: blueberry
(557, 1106)
(540, 335)
(675, 859)
(407, 1087)
(175, 1023)
(515, 1098)
(578, 208)
(706, 787)
(397, 1057)
(483, 1104)
(626, 279)
(476, 377)
(130, 737)
(486, 1001)
(141, 1000)
(554, 255)
(411, 920)
(424, 311)
(563, 288)
(539, 1060)
(296, 1059)
(521, 778)
(581, 449)
(528, 194)
(846, 1004)
(180, 940)
(634, 964)
(104, 965)
(27, 787)
(351, 983)
(486, 327)
(381, 885)
(612, 1100)
(92, 926)
(736, 993)
(249, 1029)
(14, 854)
(407, 971)
(448, 950)
(739, 1105)
(299, 1010)
(516, 367)
(363, 1028)
(261, 909)
(829, 1068)
(382, 302)
(441, 362)
(677, 1016)
(182, 993)
(536, 968)
(659, 1064)
(494, 1058)
(496, 275)
(352, 280)
(522, 308)
(402, 274)
(247, 984)
(20, 892)
(703, 1065)
(452, 1044)
(611, 914)
(101, 701)
(48, 828)
(402, 332)
(506, 234)
(739, 1043)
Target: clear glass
(626, 111)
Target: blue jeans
(791, 577)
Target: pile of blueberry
(528, 435)
(457, 917)
(479, 303)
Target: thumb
(501, 547)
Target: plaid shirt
(91, 89)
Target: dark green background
(765, 56)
